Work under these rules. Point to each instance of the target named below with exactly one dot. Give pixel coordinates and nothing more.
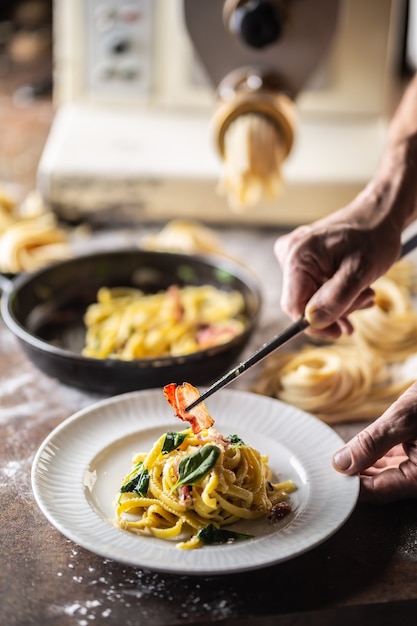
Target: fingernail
(343, 459)
(318, 318)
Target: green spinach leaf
(210, 534)
(235, 440)
(172, 441)
(139, 481)
(192, 468)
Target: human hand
(328, 268)
(385, 453)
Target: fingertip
(346, 327)
(342, 460)
(280, 247)
(318, 318)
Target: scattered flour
(154, 597)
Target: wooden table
(365, 574)
(366, 571)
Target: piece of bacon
(180, 397)
(174, 293)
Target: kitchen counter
(366, 571)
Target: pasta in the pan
(127, 324)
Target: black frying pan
(45, 312)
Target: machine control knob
(120, 45)
(257, 22)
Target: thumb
(396, 425)
(366, 447)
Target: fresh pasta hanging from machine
(253, 156)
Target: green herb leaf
(172, 441)
(131, 478)
(210, 534)
(223, 275)
(186, 273)
(192, 468)
(235, 440)
(138, 483)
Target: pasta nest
(335, 383)
(30, 237)
(389, 328)
(353, 377)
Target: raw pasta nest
(30, 237)
(355, 377)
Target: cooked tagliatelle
(193, 483)
(126, 323)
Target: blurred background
(26, 88)
(107, 107)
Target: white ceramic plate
(77, 473)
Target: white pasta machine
(147, 90)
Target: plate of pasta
(126, 480)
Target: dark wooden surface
(47, 579)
